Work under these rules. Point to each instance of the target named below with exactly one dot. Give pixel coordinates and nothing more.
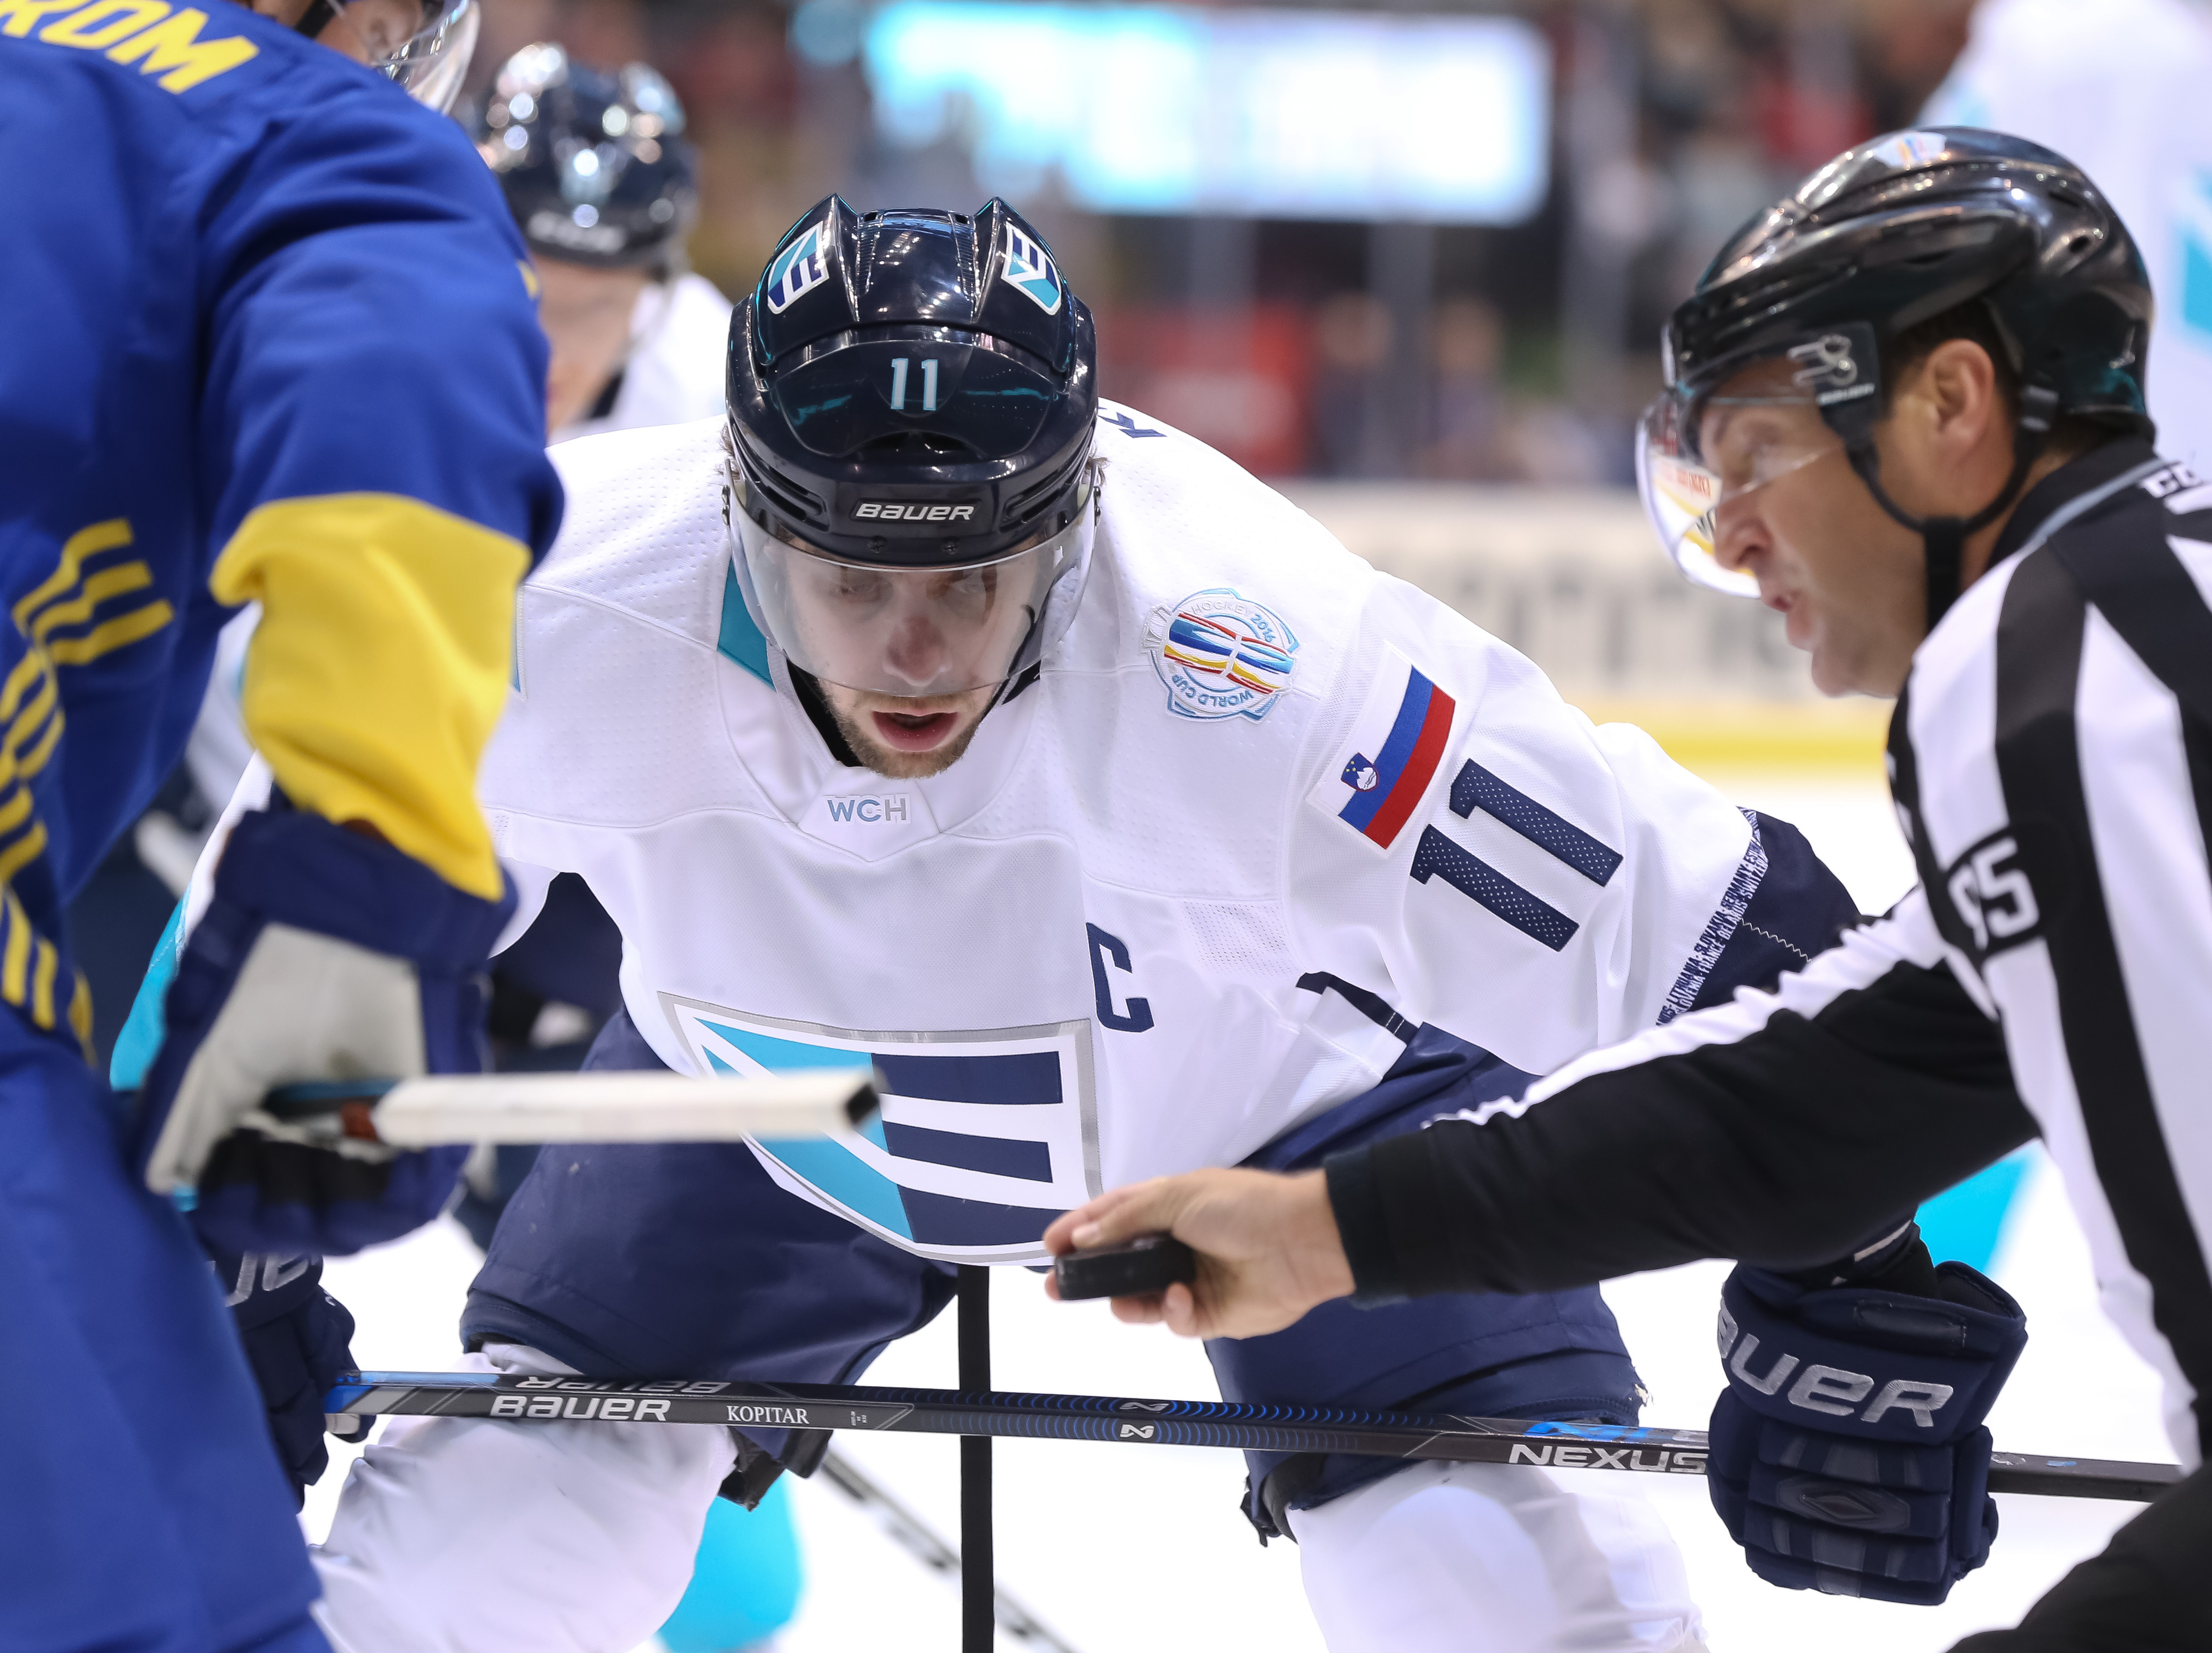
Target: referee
(1904, 406)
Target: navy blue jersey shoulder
(244, 273)
(1796, 912)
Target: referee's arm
(1782, 1145)
(1781, 1130)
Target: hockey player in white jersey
(605, 189)
(926, 709)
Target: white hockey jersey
(1076, 954)
(2118, 87)
(675, 370)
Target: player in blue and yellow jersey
(269, 337)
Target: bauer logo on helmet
(901, 511)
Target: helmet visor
(423, 45)
(1698, 460)
(911, 632)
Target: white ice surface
(1143, 1548)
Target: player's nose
(916, 651)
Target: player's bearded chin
(907, 738)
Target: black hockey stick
(1144, 1423)
(921, 1540)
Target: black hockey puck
(1148, 1263)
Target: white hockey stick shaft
(604, 1106)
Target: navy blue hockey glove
(323, 955)
(297, 1338)
(1848, 1454)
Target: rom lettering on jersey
(163, 41)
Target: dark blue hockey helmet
(595, 166)
(912, 392)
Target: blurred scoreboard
(1249, 113)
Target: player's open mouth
(913, 732)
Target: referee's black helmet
(1892, 233)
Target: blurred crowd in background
(1516, 350)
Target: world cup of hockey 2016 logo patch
(1222, 655)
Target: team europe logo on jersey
(798, 269)
(984, 1138)
(1222, 655)
(1031, 272)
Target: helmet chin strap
(1944, 538)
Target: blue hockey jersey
(270, 336)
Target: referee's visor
(1728, 426)
(1698, 457)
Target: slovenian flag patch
(1396, 745)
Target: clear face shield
(1698, 458)
(913, 633)
(423, 45)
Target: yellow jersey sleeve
(380, 664)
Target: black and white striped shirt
(2051, 762)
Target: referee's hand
(1267, 1248)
